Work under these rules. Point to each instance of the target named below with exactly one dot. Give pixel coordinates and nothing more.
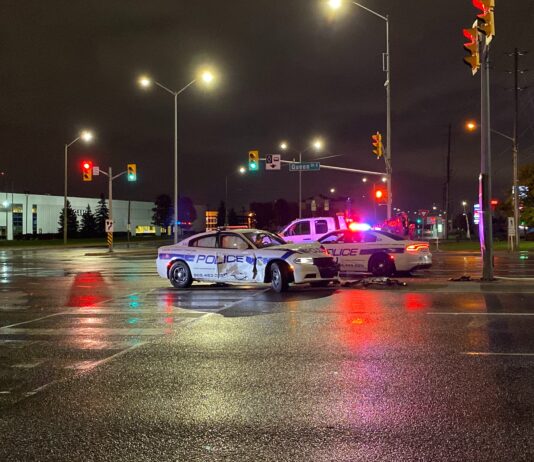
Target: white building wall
(49, 209)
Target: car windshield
(395, 237)
(262, 239)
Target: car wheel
(279, 278)
(180, 275)
(381, 265)
(319, 283)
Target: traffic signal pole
(110, 176)
(485, 224)
(389, 168)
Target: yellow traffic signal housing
(473, 59)
(253, 160)
(131, 172)
(378, 147)
(486, 19)
(87, 170)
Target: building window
(34, 219)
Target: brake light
(417, 247)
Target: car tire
(320, 284)
(381, 265)
(279, 278)
(180, 275)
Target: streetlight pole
(464, 203)
(85, 136)
(242, 171)
(145, 82)
(335, 4)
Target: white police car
(380, 253)
(245, 256)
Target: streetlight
(144, 81)
(472, 126)
(316, 144)
(384, 179)
(364, 179)
(86, 136)
(464, 204)
(241, 170)
(336, 5)
(332, 190)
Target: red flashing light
(494, 202)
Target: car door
(236, 259)
(342, 246)
(320, 227)
(298, 232)
(203, 263)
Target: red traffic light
(87, 170)
(379, 194)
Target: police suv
(377, 252)
(245, 256)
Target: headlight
(304, 260)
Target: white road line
(34, 320)
(479, 314)
(237, 302)
(489, 353)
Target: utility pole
(447, 183)
(515, 148)
(484, 195)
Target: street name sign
(273, 162)
(305, 167)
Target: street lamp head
(335, 4)
(242, 170)
(364, 179)
(318, 144)
(87, 136)
(207, 77)
(332, 190)
(464, 203)
(384, 179)
(471, 125)
(283, 146)
(144, 81)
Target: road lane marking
(478, 314)
(34, 320)
(237, 302)
(489, 353)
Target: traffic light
(381, 195)
(253, 160)
(87, 170)
(473, 59)
(378, 147)
(486, 19)
(131, 172)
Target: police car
(362, 250)
(245, 256)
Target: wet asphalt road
(102, 360)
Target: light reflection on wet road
(314, 374)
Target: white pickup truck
(312, 229)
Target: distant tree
(232, 218)
(264, 214)
(72, 221)
(222, 214)
(163, 211)
(186, 210)
(101, 215)
(88, 226)
(282, 212)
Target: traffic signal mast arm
(340, 169)
(114, 176)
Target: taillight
(419, 247)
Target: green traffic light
(252, 166)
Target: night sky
(287, 72)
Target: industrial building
(35, 214)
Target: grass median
(474, 246)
